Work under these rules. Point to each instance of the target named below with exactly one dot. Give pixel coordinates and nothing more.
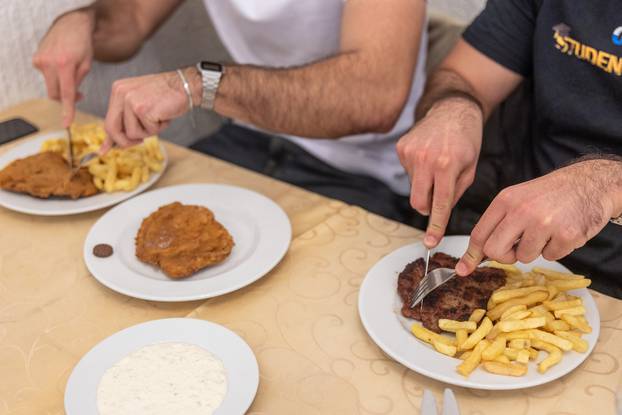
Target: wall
(461, 10)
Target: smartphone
(15, 128)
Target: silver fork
(432, 280)
(84, 160)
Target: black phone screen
(15, 128)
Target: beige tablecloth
(301, 319)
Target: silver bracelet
(188, 94)
(617, 221)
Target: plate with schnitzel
(39, 182)
(187, 242)
(415, 337)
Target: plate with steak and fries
(503, 327)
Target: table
(301, 319)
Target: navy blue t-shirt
(572, 51)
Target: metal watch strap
(210, 80)
(617, 221)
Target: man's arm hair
(470, 75)
(121, 26)
(361, 89)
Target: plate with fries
(538, 327)
(119, 175)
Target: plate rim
(123, 196)
(198, 296)
(462, 382)
(174, 322)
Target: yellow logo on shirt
(606, 61)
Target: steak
(455, 300)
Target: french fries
(556, 275)
(515, 325)
(495, 349)
(504, 295)
(428, 336)
(502, 359)
(470, 363)
(578, 344)
(454, 326)
(533, 312)
(444, 348)
(477, 315)
(574, 311)
(530, 299)
(519, 315)
(554, 357)
(461, 336)
(561, 305)
(512, 310)
(477, 335)
(507, 369)
(523, 356)
(567, 285)
(117, 170)
(577, 323)
(519, 343)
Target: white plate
(260, 229)
(56, 206)
(237, 357)
(377, 308)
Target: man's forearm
(342, 95)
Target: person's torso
(577, 74)
(283, 33)
(577, 71)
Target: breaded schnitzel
(46, 174)
(182, 239)
(455, 300)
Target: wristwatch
(617, 221)
(211, 73)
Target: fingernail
(461, 268)
(429, 240)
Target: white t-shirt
(282, 33)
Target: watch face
(211, 66)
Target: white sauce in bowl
(163, 379)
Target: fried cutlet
(182, 239)
(46, 174)
(455, 300)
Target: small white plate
(381, 318)
(260, 229)
(56, 206)
(237, 357)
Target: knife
(427, 261)
(450, 405)
(70, 148)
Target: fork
(432, 280)
(84, 160)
